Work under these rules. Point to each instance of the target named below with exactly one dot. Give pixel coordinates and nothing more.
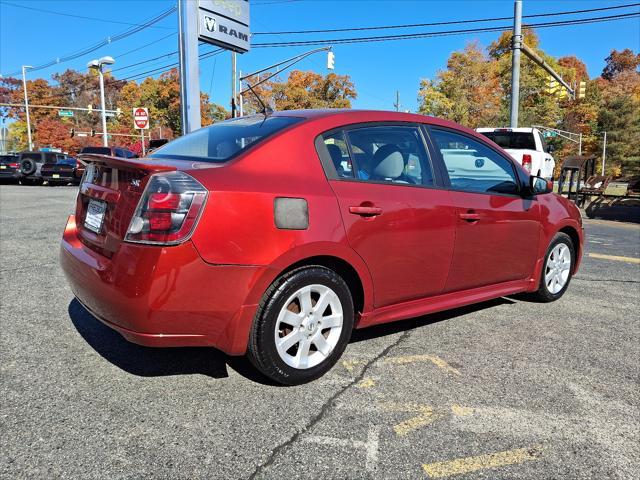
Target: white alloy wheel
(558, 268)
(308, 326)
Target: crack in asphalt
(325, 408)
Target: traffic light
(93, 132)
(552, 87)
(582, 89)
(331, 59)
(90, 108)
(72, 132)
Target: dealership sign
(224, 23)
(141, 118)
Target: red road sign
(141, 118)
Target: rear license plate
(95, 215)
(3, 167)
(55, 175)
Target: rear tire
(302, 325)
(557, 269)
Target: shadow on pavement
(156, 362)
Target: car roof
(347, 116)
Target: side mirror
(539, 185)
(550, 148)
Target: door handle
(365, 211)
(470, 216)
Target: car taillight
(526, 162)
(168, 210)
(14, 165)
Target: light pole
(97, 64)
(26, 103)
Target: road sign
(141, 118)
(65, 113)
(224, 23)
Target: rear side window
(339, 154)
(473, 166)
(514, 140)
(221, 141)
(34, 156)
(390, 153)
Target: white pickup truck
(526, 146)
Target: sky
(30, 36)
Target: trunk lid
(112, 186)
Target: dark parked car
(31, 165)
(111, 151)
(275, 236)
(9, 167)
(64, 171)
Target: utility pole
(604, 151)
(26, 104)
(240, 97)
(516, 43)
(234, 81)
(397, 104)
(580, 146)
(189, 70)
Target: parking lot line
(616, 258)
(367, 382)
(370, 447)
(481, 462)
(437, 361)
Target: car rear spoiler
(140, 165)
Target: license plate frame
(94, 219)
(55, 175)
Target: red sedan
(274, 236)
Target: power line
(408, 36)
(106, 41)
(453, 22)
(83, 17)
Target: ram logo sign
(224, 23)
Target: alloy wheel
(558, 268)
(309, 326)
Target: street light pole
(98, 64)
(26, 104)
(515, 62)
(105, 141)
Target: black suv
(9, 167)
(31, 163)
(111, 151)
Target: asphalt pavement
(503, 390)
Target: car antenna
(266, 111)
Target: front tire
(302, 325)
(557, 269)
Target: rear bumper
(162, 297)
(10, 175)
(62, 177)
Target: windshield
(514, 140)
(221, 141)
(98, 150)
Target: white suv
(526, 146)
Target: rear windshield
(221, 141)
(515, 140)
(98, 150)
(34, 155)
(67, 161)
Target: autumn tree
(302, 89)
(619, 62)
(467, 92)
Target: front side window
(223, 140)
(473, 166)
(390, 153)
